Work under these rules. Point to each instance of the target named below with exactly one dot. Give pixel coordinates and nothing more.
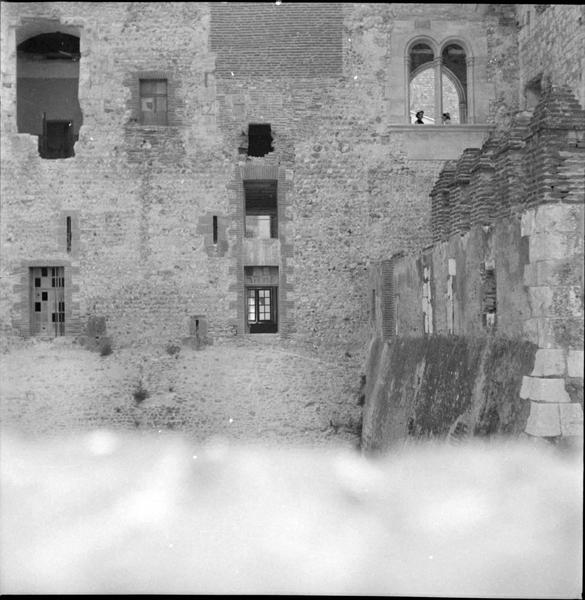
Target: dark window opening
(68, 222)
(533, 92)
(57, 140)
(37, 307)
(47, 92)
(37, 282)
(419, 55)
(261, 209)
(488, 298)
(214, 229)
(153, 101)
(52, 46)
(44, 295)
(259, 140)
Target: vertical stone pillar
(438, 69)
(469, 92)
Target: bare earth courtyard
(245, 390)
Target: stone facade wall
(551, 42)
(145, 196)
(445, 388)
(507, 259)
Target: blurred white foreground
(110, 513)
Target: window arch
(438, 82)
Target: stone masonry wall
(514, 267)
(140, 192)
(145, 196)
(551, 46)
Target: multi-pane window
(259, 305)
(153, 101)
(438, 87)
(48, 301)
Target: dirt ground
(245, 390)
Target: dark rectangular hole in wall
(214, 229)
(57, 140)
(261, 208)
(37, 282)
(68, 235)
(37, 307)
(259, 140)
(44, 296)
(489, 299)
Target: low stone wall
(445, 388)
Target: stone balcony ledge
(261, 251)
(437, 142)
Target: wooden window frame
(159, 117)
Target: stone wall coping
(444, 129)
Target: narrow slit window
(489, 298)
(68, 222)
(214, 229)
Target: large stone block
(546, 246)
(571, 418)
(527, 222)
(567, 301)
(544, 420)
(541, 300)
(575, 363)
(548, 332)
(549, 362)
(558, 272)
(544, 389)
(558, 217)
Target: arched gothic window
(437, 83)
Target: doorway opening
(261, 299)
(47, 301)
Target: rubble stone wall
(145, 196)
(507, 260)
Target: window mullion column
(470, 104)
(438, 67)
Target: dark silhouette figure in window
(446, 118)
(419, 117)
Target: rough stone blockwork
(444, 389)
(326, 76)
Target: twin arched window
(438, 83)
